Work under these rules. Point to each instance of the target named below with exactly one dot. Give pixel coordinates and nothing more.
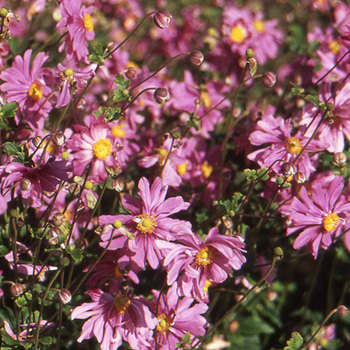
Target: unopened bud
(3, 13)
(90, 199)
(131, 73)
(299, 177)
(196, 57)
(278, 252)
(288, 169)
(269, 79)
(65, 296)
(162, 19)
(249, 53)
(161, 95)
(234, 325)
(342, 311)
(17, 289)
(59, 140)
(65, 155)
(339, 158)
(129, 185)
(65, 261)
(118, 184)
(253, 64)
(117, 224)
(59, 219)
(25, 185)
(88, 185)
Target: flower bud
(196, 57)
(59, 140)
(339, 158)
(131, 73)
(65, 155)
(162, 19)
(36, 141)
(342, 311)
(299, 177)
(161, 95)
(3, 13)
(278, 252)
(118, 184)
(59, 219)
(17, 289)
(288, 169)
(54, 233)
(253, 64)
(25, 185)
(269, 79)
(250, 53)
(65, 296)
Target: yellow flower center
(68, 72)
(146, 223)
(118, 131)
(330, 222)
(334, 46)
(293, 145)
(181, 168)
(164, 323)
(35, 92)
(204, 257)
(205, 98)
(121, 303)
(259, 26)
(88, 23)
(207, 169)
(102, 149)
(238, 34)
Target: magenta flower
(177, 316)
(320, 217)
(78, 21)
(203, 263)
(26, 85)
(335, 126)
(115, 317)
(149, 220)
(30, 182)
(281, 146)
(94, 145)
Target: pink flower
(30, 182)
(203, 263)
(319, 217)
(149, 220)
(276, 134)
(113, 318)
(78, 21)
(336, 124)
(26, 86)
(94, 145)
(177, 316)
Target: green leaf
(9, 109)
(295, 342)
(76, 254)
(46, 340)
(11, 148)
(313, 99)
(3, 250)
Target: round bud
(288, 169)
(17, 289)
(117, 224)
(118, 184)
(65, 155)
(59, 219)
(269, 79)
(59, 140)
(196, 57)
(25, 185)
(278, 252)
(342, 311)
(131, 73)
(249, 53)
(161, 95)
(299, 177)
(88, 185)
(3, 13)
(65, 296)
(234, 325)
(36, 141)
(64, 261)
(162, 19)
(339, 158)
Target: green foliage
(256, 175)
(230, 206)
(110, 114)
(121, 93)
(295, 342)
(97, 55)
(75, 253)
(7, 111)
